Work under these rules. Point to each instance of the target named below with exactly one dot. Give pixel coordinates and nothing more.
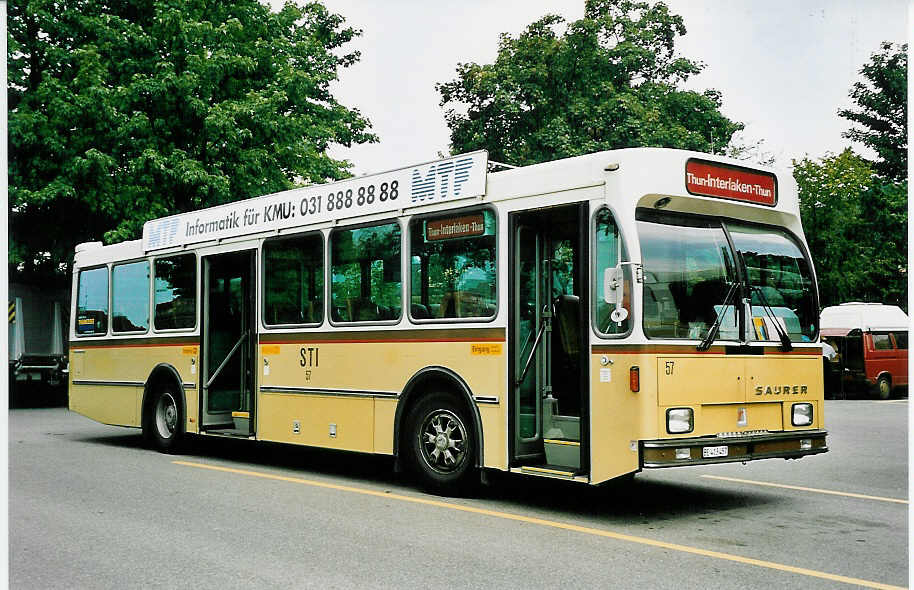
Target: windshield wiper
(786, 345)
(712, 331)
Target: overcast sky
(784, 67)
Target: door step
(563, 452)
(228, 433)
(551, 471)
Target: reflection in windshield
(687, 273)
(779, 279)
(689, 267)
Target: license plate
(720, 451)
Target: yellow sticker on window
(493, 348)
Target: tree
(882, 101)
(885, 215)
(831, 207)
(855, 226)
(120, 112)
(609, 80)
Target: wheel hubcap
(166, 415)
(443, 441)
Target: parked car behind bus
(871, 340)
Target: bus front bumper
(708, 450)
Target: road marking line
(553, 524)
(892, 401)
(802, 489)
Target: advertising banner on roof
(452, 179)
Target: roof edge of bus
(86, 246)
(96, 254)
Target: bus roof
(708, 183)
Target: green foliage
(885, 215)
(121, 112)
(858, 227)
(610, 80)
(882, 100)
(855, 225)
(830, 206)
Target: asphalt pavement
(91, 507)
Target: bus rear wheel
(441, 444)
(163, 420)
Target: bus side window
(175, 292)
(365, 274)
(609, 253)
(452, 270)
(293, 280)
(92, 302)
(130, 297)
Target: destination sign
(460, 227)
(724, 181)
(452, 179)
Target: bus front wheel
(441, 444)
(163, 420)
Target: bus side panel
(107, 404)
(495, 453)
(107, 382)
(385, 411)
(619, 416)
(324, 374)
(345, 423)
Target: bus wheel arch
(164, 409)
(436, 381)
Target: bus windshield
(690, 266)
(780, 283)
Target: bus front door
(549, 401)
(228, 344)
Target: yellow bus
(581, 319)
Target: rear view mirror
(612, 293)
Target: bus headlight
(801, 415)
(679, 420)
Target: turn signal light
(634, 379)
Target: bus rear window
(92, 302)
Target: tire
(883, 387)
(163, 420)
(441, 444)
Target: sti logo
(440, 180)
(162, 234)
